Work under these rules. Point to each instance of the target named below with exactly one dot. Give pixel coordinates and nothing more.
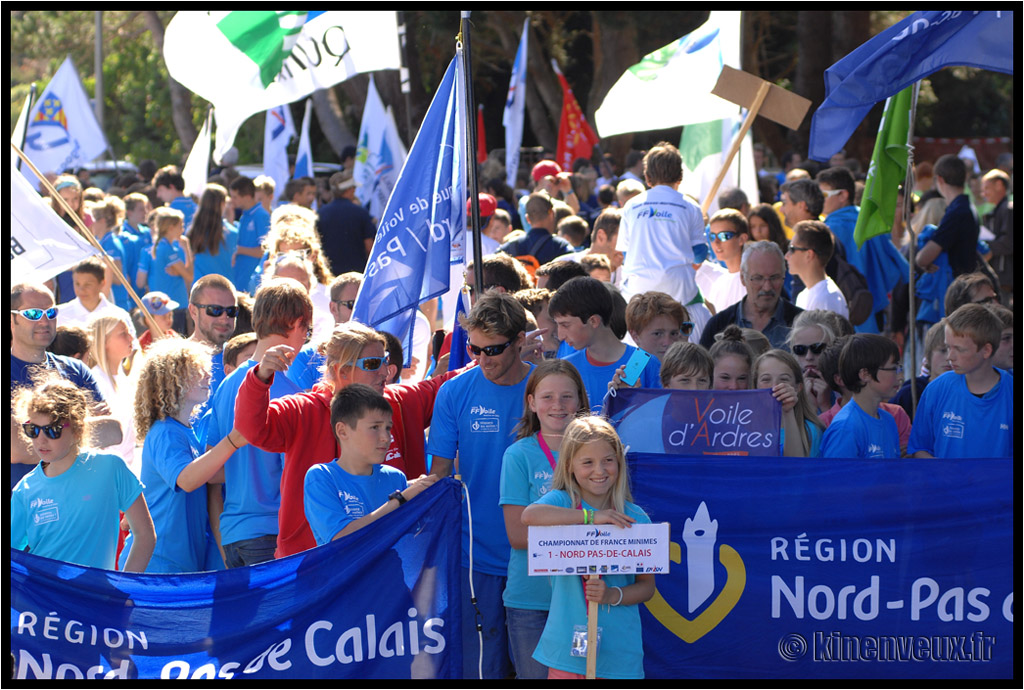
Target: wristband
(620, 595)
(397, 495)
(228, 437)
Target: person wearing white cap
(161, 307)
(346, 228)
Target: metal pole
(478, 270)
(98, 57)
(404, 76)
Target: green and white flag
(672, 86)
(887, 171)
(244, 62)
(704, 146)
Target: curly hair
(295, 228)
(53, 395)
(171, 368)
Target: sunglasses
(686, 327)
(723, 236)
(216, 310)
(52, 431)
(489, 350)
(36, 314)
(347, 303)
(793, 248)
(816, 348)
(372, 363)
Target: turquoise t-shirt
(73, 517)
(526, 475)
(333, 498)
(854, 433)
(621, 651)
(205, 263)
(166, 254)
(952, 422)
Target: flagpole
(908, 193)
(478, 269)
(87, 234)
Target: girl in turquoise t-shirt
(67, 507)
(554, 396)
(591, 486)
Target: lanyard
(547, 451)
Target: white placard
(598, 549)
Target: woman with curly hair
(175, 379)
(67, 507)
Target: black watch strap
(397, 495)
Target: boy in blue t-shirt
(253, 226)
(356, 489)
(582, 308)
(967, 412)
(870, 369)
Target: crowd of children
(269, 423)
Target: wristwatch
(397, 495)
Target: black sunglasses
(53, 430)
(686, 327)
(489, 350)
(816, 348)
(215, 310)
(347, 303)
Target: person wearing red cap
(548, 177)
(488, 242)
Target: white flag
(197, 167)
(704, 147)
(379, 156)
(42, 245)
(672, 86)
(62, 131)
(18, 136)
(278, 131)
(515, 110)
(264, 59)
(304, 156)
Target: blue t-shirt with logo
(621, 650)
(854, 433)
(253, 226)
(526, 475)
(252, 477)
(952, 422)
(596, 378)
(73, 517)
(477, 419)
(334, 498)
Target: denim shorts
(524, 631)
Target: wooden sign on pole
(758, 97)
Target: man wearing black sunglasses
(475, 415)
(33, 328)
(213, 308)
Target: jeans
(250, 551)
(524, 630)
(496, 662)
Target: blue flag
(304, 156)
(921, 44)
(383, 602)
(409, 262)
(458, 357)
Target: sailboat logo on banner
(700, 534)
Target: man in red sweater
(299, 425)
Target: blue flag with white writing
(919, 45)
(409, 262)
(383, 602)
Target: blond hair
(294, 227)
(100, 329)
(172, 367)
(578, 433)
(345, 345)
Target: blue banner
(696, 422)
(788, 568)
(915, 47)
(411, 255)
(383, 602)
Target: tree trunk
(615, 51)
(181, 98)
(543, 93)
(328, 116)
(814, 31)
(850, 29)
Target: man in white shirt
(809, 250)
(662, 236)
(89, 278)
(723, 287)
